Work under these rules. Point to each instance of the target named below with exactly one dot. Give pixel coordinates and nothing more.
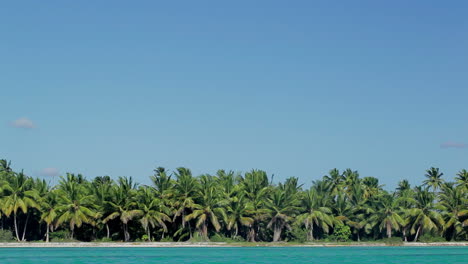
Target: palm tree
(239, 213)
(18, 195)
(227, 181)
(462, 179)
(75, 204)
(48, 205)
(123, 204)
(209, 207)
(388, 214)
(453, 206)
(5, 169)
(335, 180)
(316, 213)
(153, 211)
(283, 205)
(405, 197)
(255, 186)
(351, 178)
(185, 190)
(434, 179)
(371, 187)
(403, 186)
(101, 189)
(162, 182)
(424, 217)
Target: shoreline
(213, 244)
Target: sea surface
(295, 255)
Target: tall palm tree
(283, 205)
(48, 208)
(209, 207)
(152, 210)
(335, 180)
(358, 210)
(351, 178)
(423, 215)
(256, 188)
(462, 179)
(75, 203)
(162, 182)
(388, 214)
(18, 194)
(185, 189)
(434, 179)
(402, 187)
(123, 205)
(316, 213)
(227, 181)
(371, 187)
(453, 206)
(101, 189)
(239, 213)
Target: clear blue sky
(292, 87)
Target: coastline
(213, 244)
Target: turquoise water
(293, 255)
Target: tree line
(178, 206)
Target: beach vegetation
(232, 207)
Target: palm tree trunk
(72, 229)
(190, 230)
(404, 234)
(16, 227)
(312, 232)
(25, 226)
(417, 234)
(251, 235)
(205, 231)
(149, 234)
(276, 233)
(389, 230)
(126, 235)
(47, 234)
(108, 231)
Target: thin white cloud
(451, 144)
(49, 172)
(23, 123)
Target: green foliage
(6, 235)
(61, 236)
(167, 239)
(391, 241)
(104, 239)
(232, 207)
(197, 238)
(298, 234)
(341, 233)
(223, 238)
(429, 238)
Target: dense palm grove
(235, 207)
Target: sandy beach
(215, 244)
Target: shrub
(6, 235)
(223, 238)
(298, 234)
(167, 239)
(61, 236)
(392, 240)
(341, 233)
(104, 239)
(196, 238)
(428, 238)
